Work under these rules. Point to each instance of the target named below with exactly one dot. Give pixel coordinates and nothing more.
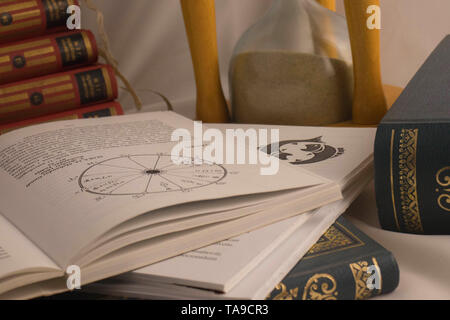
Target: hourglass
(368, 103)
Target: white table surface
(424, 261)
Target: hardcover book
(412, 152)
(21, 19)
(56, 93)
(97, 111)
(337, 268)
(45, 55)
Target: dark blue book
(345, 264)
(412, 152)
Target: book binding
(97, 111)
(412, 152)
(45, 55)
(57, 93)
(345, 264)
(413, 178)
(21, 19)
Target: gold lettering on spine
(443, 180)
(408, 180)
(52, 9)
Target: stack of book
(48, 72)
(113, 195)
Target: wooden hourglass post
(329, 4)
(199, 18)
(369, 102)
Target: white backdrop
(149, 41)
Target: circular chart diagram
(147, 174)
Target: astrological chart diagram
(148, 174)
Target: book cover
(57, 93)
(102, 110)
(412, 152)
(45, 55)
(21, 19)
(339, 266)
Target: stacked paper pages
(251, 265)
(110, 195)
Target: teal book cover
(339, 267)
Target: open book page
(64, 184)
(18, 255)
(261, 280)
(219, 266)
(333, 153)
(140, 254)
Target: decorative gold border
(408, 180)
(360, 274)
(321, 286)
(392, 180)
(348, 233)
(284, 293)
(443, 200)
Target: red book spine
(56, 93)
(45, 55)
(97, 111)
(21, 19)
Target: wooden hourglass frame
(371, 99)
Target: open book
(251, 265)
(106, 195)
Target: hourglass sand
(369, 102)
